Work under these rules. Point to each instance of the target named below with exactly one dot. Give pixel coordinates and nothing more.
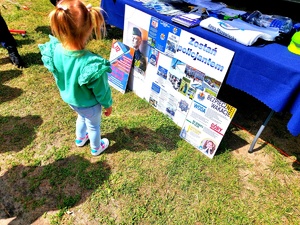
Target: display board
(207, 122)
(121, 57)
(173, 69)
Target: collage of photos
(179, 73)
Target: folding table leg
(262, 127)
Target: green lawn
(148, 175)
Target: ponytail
(71, 21)
(98, 22)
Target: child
(80, 75)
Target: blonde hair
(71, 21)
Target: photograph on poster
(137, 39)
(184, 85)
(139, 59)
(187, 80)
(162, 72)
(153, 32)
(199, 80)
(171, 106)
(208, 146)
(153, 56)
(153, 102)
(171, 45)
(176, 73)
(163, 36)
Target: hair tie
(59, 6)
(89, 7)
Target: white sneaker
(104, 143)
(81, 141)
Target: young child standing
(80, 75)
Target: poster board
(121, 57)
(180, 67)
(207, 122)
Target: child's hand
(108, 111)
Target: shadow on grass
(114, 33)
(33, 59)
(8, 74)
(137, 139)
(4, 61)
(296, 165)
(43, 29)
(28, 58)
(24, 41)
(9, 93)
(251, 114)
(231, 141)
(27, 192)
(17, 132)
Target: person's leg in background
(54, 2)
(8, 42)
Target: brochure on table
(121, 57)
(180, 67)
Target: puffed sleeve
(94, 68)
(94, 75)
(47, 51)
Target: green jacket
(81, 76)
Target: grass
(149, 175)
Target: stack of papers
(187, 20)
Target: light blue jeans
(89, 121)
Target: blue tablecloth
(270, 73)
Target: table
(269, 73)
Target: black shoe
(14, 56)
